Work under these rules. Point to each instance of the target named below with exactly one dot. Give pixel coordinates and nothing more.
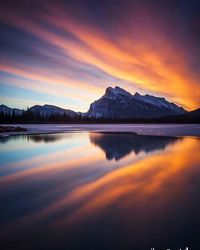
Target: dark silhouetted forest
(36, 118)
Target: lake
(99, 190)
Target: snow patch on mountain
(159, 102)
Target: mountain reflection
(118, 145)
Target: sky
(66, 53)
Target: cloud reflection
(74, 189)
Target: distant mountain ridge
(44, 111)
(115, 104)
(10, 111)
(47, 110)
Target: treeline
(36, 118)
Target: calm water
(99, 191)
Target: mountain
(47, 110)
(189, 117)
(194, 114)
(117, 103)
(10, 111)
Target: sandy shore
(143, 129)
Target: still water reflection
(99, 191)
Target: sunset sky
(67, 52)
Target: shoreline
(141, 129)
